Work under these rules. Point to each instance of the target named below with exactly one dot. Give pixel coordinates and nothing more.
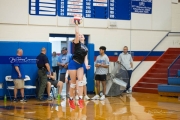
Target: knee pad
(81, 83)
(72, 85)
(84, 82)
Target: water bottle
(59, 97)
(58, 102)
(5, 98)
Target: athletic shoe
(128, 91)
(96, 97)
(49, 98)
(15, 100)
(81, 103)
(71, 104)
(102, 97)
(86, 98)
(77, 97)
(41, 99)
(23, 100)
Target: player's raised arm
(76, 34)
(77, 22)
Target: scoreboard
(43, 7)
(97, 9)
(120, 9)
(67, 8)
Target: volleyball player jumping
(75, 67)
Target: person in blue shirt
(18, 77)
(63, 62)
(55, 66)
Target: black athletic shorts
(62, 77)
(53, 82)
(100, 77)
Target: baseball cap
(64, 48)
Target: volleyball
(77, 20)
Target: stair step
(173, 72)
(161, 65)
(145, 90)
(170, 56)
(162, 70)
(166, 61)
(174, 52)
(154, 80)
(148, 85)
(174, 49)
(157, 75)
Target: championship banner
(142, 6)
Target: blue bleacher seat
(174, 80)
(179, 73)
(168, 88)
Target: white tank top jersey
(102, 60)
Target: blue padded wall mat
(90, 72)
(8, 47)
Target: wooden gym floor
(135, 106)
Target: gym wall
(140, 34)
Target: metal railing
(174, 67)
(151, 50)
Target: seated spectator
(56, 83)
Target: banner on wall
(142, 6)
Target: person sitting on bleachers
(56, 83)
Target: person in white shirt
(102, 65)
(126, 60)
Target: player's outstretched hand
(88, 67)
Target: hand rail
(152, 50)
(172, 64)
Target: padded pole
(90, 73)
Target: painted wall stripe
(134, 53)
